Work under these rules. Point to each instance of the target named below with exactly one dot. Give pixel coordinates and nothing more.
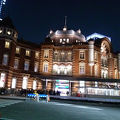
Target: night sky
(34, 18)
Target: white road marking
(4, 103)
(5, 119)
(77, 106)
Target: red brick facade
(72, 44)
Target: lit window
(60, 40)
(7, 44)
(36, 67)
(96, 84)
(45, 67)
(63, 42)
(82, 55)
(2, 80)
(13, 83)
(82, 87)
(69, 56)
(67, 40)
(5, 59)
(0, 31)
(82, 68)
(46, 53)
(34, 85)
(104, 73)
(36, 54)
(16, 63)
(26, 65)
(55, 56)
(24, 84)
(17, 50)
(27, 53)
(62, 69)
(8, 32)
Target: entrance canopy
(71, 78)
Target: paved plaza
(56, 110)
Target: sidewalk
(84, 99)
(13, 97)
(87, 99)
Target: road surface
(55, 110)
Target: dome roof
(69, 34)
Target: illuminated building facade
(66, 61)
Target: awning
(72, 78)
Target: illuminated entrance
(62, 86)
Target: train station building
(65, 61)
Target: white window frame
(36, 66)
(5, 59)
(16, 60)
(34, 84)
(45, 67)
(81, 66)
(46, 53)
(81, 52)
(25, 63)
(24, 83)
(14, 81)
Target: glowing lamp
(79, 31)
(64, 29)
(8, 32)
(51, 31)
(0, 31)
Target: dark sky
(34, 18)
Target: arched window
(34, 84)
(81, 68)
(25, 81)
(45, 66)
(62, 69)
(13, 83)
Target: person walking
(37, 97)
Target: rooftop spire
(65, 26)
(65, 21)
